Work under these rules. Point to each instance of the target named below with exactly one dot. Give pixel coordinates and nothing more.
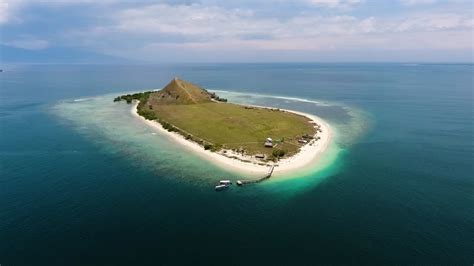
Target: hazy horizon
(208, 31)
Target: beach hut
(269, 143)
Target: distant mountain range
(9, 54)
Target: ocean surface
(83, 182)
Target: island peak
(253, 135)
(179, 91)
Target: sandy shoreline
(305, 158)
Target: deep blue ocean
(82, 183)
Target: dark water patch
(403, 194)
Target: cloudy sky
(246, 30)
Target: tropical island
(242, 137)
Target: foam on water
(115, 130)
(231, 93)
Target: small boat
(239, 183)
(221, 187)
(225, 182)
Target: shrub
(277, 153)
(207, 146)
(165, 125)
(141, 96)
(168, 126)
(214, 96)
(215, 148)
(147, 114)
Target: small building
(269, 143)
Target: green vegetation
(168, 126)
(217, 98)
(141, 96)
(278, 153)
(207, 119)
(233, 126)
(147, 114)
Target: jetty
(268, 175)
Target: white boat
(221, 187)
(225, 182)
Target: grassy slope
(234, 126)
(180, 92)
(191, 109)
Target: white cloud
(185, 19)
(416, 2)
(10, 9)
(211, 30)
(7, 10)
(207, 23)
(338, 4)
(140, 31)
(29, 43)
(434, 22)
(3, 12)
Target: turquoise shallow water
(115, 130)
(82, 182)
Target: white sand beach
(305, 158)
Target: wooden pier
(268, 175)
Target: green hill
(203, 117)
(180, 92)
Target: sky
(246, 30)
